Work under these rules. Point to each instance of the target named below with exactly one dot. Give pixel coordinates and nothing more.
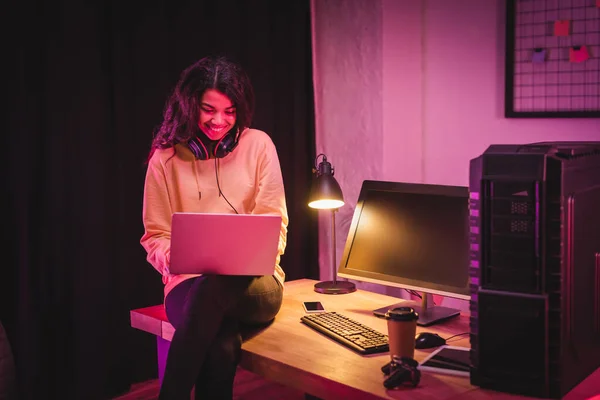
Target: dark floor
(248, 386)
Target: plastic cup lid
(402, 314)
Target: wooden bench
(154, 320)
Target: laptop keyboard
(348, 332)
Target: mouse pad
(450, 360)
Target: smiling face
(217, 114)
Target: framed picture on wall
(552, 59)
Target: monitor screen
(413, 236)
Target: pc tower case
(535, 267)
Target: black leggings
(209, 314)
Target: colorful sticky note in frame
(578, 54)
(538, 56)
(562, 27)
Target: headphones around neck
(201, 145)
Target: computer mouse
(427, 340)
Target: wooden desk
(295, 355)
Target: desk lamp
(326, 194)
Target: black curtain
(86, 84)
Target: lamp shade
(325, 192)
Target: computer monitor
(412, 236)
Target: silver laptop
(224, 244)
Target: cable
(219, 187)
(317, 160)
(417, 294)
(459, 334)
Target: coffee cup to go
(402, 327)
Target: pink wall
(411, 90)
(464, 91)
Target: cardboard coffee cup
(402, 327)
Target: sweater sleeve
(156, 216)
(270, 198)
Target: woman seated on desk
(204, 158)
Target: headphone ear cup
(198, 149)
(227, 144)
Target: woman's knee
(261, 302)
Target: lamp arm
(333, 248)
(333, 286)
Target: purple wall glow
(411, 90)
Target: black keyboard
(348, 332)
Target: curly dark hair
(182, 109)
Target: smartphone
(313, 306)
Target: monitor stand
(427, 315)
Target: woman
(205, 158)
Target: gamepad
(401, 371)
(386, 368)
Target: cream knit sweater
(250, 178)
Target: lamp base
(331, 287)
